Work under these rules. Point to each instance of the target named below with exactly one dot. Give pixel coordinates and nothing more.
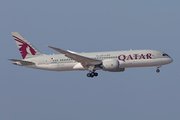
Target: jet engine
(112, 66)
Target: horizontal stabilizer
(21, 61)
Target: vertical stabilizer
(26, 49)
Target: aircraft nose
(171, 60)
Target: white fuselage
(115, 61)
(132, 58)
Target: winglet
(59, 50)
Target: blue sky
(90, 26)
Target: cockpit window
(165, 55)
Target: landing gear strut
(92, 74)
(158, 69)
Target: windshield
(165, 55)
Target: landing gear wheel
(89, 75)
(92, 74)
(157, 70)
(96, 74)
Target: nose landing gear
(158, 69)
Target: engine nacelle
(112, 66)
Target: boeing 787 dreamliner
(114, 61)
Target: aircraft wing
(85, 61)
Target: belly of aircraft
(58, 66)
(143, 63)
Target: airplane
(114, 61)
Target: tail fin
(26, 49)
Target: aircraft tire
(92, 74)
(96, 74)
(157, 70)
(89, 75)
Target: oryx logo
(24, 47)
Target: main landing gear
(158, 69)
(92, 74)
